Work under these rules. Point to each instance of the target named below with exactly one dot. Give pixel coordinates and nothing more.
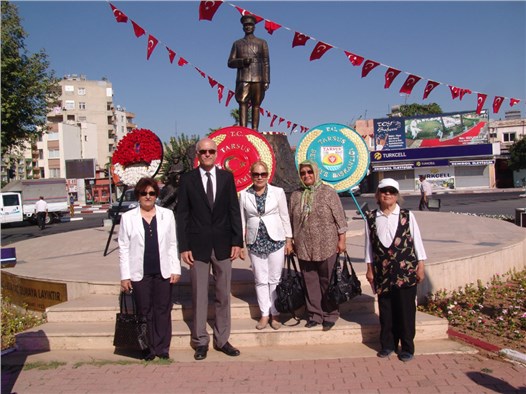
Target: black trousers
(153, 295)
(41, 219)
(397, 319)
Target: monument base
(286, 175)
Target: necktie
(209, 190)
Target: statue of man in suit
(250, 56)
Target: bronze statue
(250, 56)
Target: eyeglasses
(390, 190)
(209, 151)
(151, 194)
(303, 173)
(259, 174)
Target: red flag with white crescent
(171, 54)
(274, 117)
(200, 72)
(368, 67)
(497, 102)
(229, 97)
(300, 39)
(409, 84)
(152, 43)
(245, 12)
(455, 92)
(207, 9)
(220, 89)
(293, 127)
(390, 75)
(354, 59)
(139, 31)
(288, 123)
(182, 61)
(281, 120)
(261, 111)
(463, 92)
(481, 99)
(319, 50)
(429, 88)
(271, 27)
(268, 113)
(212, 81)
(514, 101)
(119, 15)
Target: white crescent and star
(209, 5)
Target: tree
(414, 109)
(177, 155)
(28, 88)
(518, 155)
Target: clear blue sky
(476, 45)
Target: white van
(11, 208)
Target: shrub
(15, 319)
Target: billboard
(80, 168)
(451, 129)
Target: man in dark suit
(250, 57)
(209, 231)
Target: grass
(42, 366)
(15, 319)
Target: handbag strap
(123, 306)
(348, 261)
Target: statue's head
(248, 19)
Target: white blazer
(276, 216)
(131, 244)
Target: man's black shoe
(327, 325)
(228, 349)
(200, 352)
(311, 323)
(384, 353)
(147, 356)
(164, 356)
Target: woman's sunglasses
(151, 194)
(303, 173)
(259, 174)
(390, 190)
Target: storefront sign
(36, 294)
(441, 152)
(393, 167)
(471, 162)
(389, 134)
(431, 163)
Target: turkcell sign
(442, 152)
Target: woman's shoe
(274, 323)
(263, 323)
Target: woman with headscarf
(318, 228)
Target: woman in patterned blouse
(266, 226)
(395, 256)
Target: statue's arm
(266, 65)
(233, 60)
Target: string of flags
(207, 10)
(152, 44)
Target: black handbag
(131, 330)
(344, 285)
(290, 290)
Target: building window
(69, 104)
(71, 117)
(509, 137)
(86, 138)
(41, 154)
(69, 89)
(82, 118)
(52, 136)
(82, 105)
(82, 91)
(110, 148)
(54, 172)
(54, 153)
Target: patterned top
(317, 238)
(394, 265)
(263, 245)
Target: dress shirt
(41, 206)
(204, 179)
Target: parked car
(129, 202)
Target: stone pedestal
(286, 175)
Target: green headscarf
(307, 197)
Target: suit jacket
(131, 244)
(256, 49)
(201, 228)
(276, 216)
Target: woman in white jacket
(268, 237)
(149, 264)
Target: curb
(473, 341)
(513, 355)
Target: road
(494, 203)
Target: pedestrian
(41, 212)
(250, 56)
(395, 256)
(268, 237)
(209, 232)
(149, 264)
(71, 205)
(426, 190)
(318, 228)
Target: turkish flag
(274, 117)
(207, 9)
(429, 88)
(390, 75)
(152, 43)
(319, 50)
(261, 111)
(288, 123)
(514, 101)
(271, 27)
(268, 113)
(463, 92)
(455, 92)
(212, 81)
(139, 31)
(201, 72)
(481, 99)
(409, 84)
(368, 66)
(299, 39)
(171, 54)
(220, 89)
(182, 61)
(293, 127)
(229, 97)
(354, 59)
(245, 12)
(119, 15)
(497, 102)
(280, 120)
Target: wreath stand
(113, 221)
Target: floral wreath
(139, 154)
